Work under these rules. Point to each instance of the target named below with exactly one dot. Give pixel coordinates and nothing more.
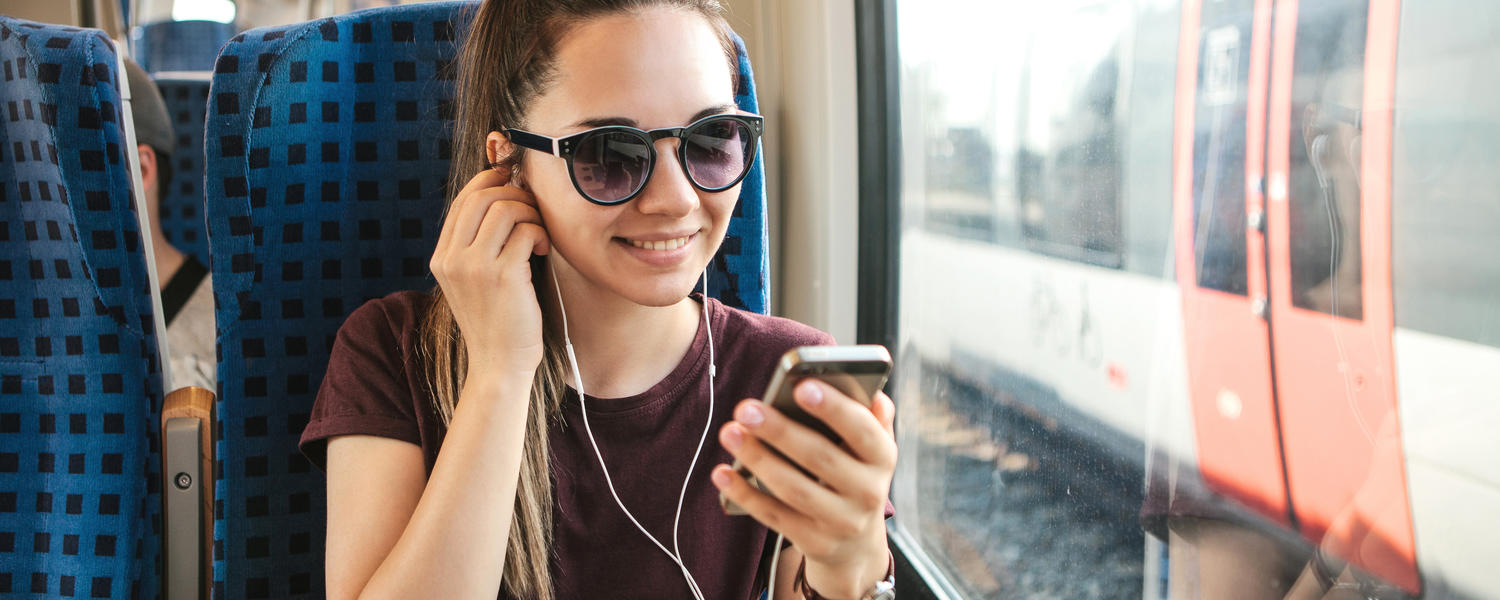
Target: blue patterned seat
(80, 381)
(327, 152)
(182, 222)
(180, 45)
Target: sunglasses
(610, 165)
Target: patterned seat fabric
(327, 147)
(180, 45)
(80, 380)
(182, 221)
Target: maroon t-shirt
(375, 386)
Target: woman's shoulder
(397, 313)
(768, 331)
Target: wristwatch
(884, 589)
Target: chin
(659, 290)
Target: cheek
(720, 206)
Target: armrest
(187, 424)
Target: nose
(668, 192)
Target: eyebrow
(628, 122)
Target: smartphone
(857, 371)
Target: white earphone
(675, 553)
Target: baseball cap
(153, 126)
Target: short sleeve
(365, 390)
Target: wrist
(497, 383)
(500, 368)
(849, 580)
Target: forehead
(657, 66)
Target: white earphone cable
(712, 371)
(771, 578)
(582, 400)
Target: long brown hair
(507, 60)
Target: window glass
(1323, 192)
(1055, 415)
(1021, 412)
(1446, 187)
(1219, 146)
(1068, 167)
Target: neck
(168, 258)
(623, 348)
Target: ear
(148, 168)
(497, 146)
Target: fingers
(485, 179)
(885, 411)
(865, 435)
(774, 513)
(525, 240)
(788, 484)
(801, 444)
(499, 224)
(477, 206)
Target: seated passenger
(187, 295)
(462, 461)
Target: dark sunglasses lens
(611, 166)
(718, 152)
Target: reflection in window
(1019, 404)
(1068, 166)
(960, 183)
(1445, 197)
(1219, 147)
(1324, 190)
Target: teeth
(663, 244)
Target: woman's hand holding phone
(836, 517)
(483, 264)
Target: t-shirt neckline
(670, 387)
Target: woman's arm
(392, 535)
(454, 527)
(786, 571)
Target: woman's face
(649, 69)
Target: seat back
(80, 380)
(182, 219)
(328, 146)
(180, 45)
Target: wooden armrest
(187, 425)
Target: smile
(671, 244)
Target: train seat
(182, 219)
(180, 45)
(327, 151)
(80, 377)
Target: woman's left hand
(837, 516)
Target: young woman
(461, 464)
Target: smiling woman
(598, 158)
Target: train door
(1218, 224)
(1329, 265)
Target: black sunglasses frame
(566, 147)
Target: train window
(1445, 204)
(1219, 147)
(1324, 176)
(1037, 231)
(203, 10)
